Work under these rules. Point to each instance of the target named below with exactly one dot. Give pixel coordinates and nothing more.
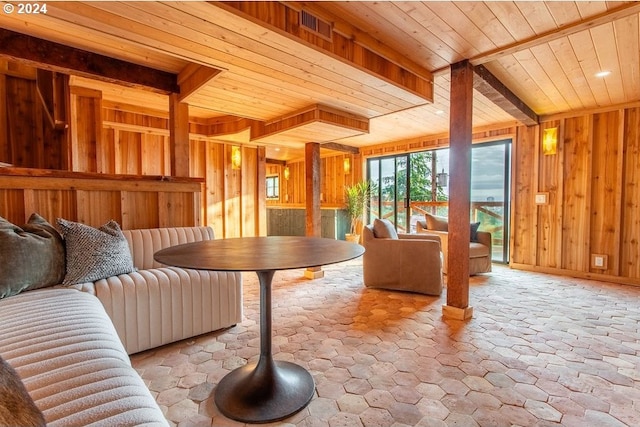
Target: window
(273, 187)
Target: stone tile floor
(541, 350)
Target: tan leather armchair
(479, 251)
(409, 263)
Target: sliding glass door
(406, 186)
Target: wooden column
(460, 192)
(179, 136)
(313, 222)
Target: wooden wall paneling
(177, 209)
(152, 155)
(606, 190)
(52, 204)
(524, 210)
(261, 192)
(215, 183)
(576, 203)
(12, 206)
(129, 146)
(630, 245)
(110, 151)
(197, 169)
(4, 123)
(232, 196)
(198, 158)
(249, 185)
(98, 207)
(140, 209)
(21, 99)
(550, 215)
(86, 130)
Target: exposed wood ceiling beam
(277, 16)
(341, 147)
(276, 162)
(488, 85)
(569, 29)
(310, 115)
(64, 59)
(193, 77)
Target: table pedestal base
(264, 392)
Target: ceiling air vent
(315, 24)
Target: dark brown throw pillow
(16, 406)
(31, 256)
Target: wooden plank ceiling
(256, 63)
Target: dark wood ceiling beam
(341, 147)
(52, 56)
(488, 85)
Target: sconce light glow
(287, 172)
(347, 165)
(550, 141)
(236, 157)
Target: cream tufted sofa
(157, 304)
(70, 344)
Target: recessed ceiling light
(439, 112)
(603, 73)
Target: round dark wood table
(268, 390)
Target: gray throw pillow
(94, 253)
(16, 406)
(383, 228)
(31, 256)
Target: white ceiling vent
(312, 23)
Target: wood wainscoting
(93, 199)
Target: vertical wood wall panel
(98, 207)
(576, 202)
(215, 194)
(140, 210)
(129, 151)
(524, 209)
(630, 247)
(605, 195)
(550, 215)
(249, 203)
(86, 130)
(232, 197)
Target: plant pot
(353, 238)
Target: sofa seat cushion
(66, 350)
(478, 250)
(153, 307)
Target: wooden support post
(460, 192)
(179, 136)
(313, 223)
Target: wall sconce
(346, 165)
(442, 179)
(550, 141)
(236, 157)
(287, 173)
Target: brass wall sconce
(236, 157)
(550, 141)
(346, 165)
(286, 172)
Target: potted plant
(356, 199)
